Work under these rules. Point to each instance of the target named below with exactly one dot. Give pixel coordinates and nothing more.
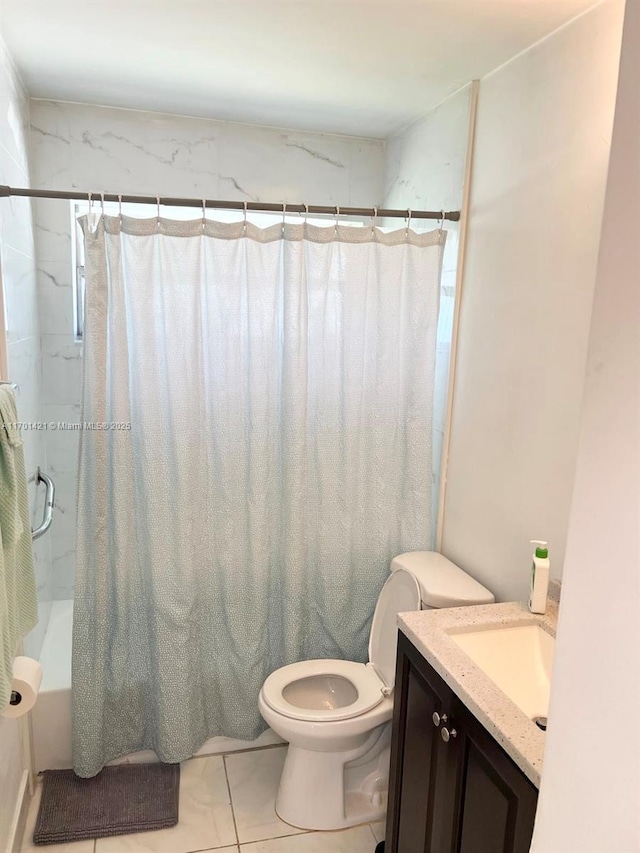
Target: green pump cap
(541, 551)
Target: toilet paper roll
(27, 675)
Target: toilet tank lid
(442, 583)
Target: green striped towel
(18, 601)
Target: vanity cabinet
(452, 788)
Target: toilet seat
(370, 689)
(357, 687)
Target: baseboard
(16, 833)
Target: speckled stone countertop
(429, 631)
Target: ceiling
(361, 67)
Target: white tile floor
(226, 803)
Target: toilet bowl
(336, 714)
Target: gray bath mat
(120, 799)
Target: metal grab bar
(49, 499)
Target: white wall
(424, 169)
(542, 146)
(590, 795)
(98, 148)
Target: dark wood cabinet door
(417, 812)
(495, 804)
(460, 793)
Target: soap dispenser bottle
(539, 577)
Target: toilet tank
(442, 583)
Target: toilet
(336, 714)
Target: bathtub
(51, 716)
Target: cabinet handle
(446, 734)
(437, 718)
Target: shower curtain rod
(381, 212)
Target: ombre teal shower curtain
(278, 384)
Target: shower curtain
(278, 384)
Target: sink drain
(541, 723)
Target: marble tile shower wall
(18, 279)
(424, 168)
(18, 266)
(111, 150)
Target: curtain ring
(204, 212)
(408, 221)
(158, 211)
(335, 227)
(306, 213)
(120, 208)
(102, 203)
(373, 220)
(442, 218)
(284, 213)
(244, 222)
(90, 213)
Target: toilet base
(334, 790)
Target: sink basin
(518, 660)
